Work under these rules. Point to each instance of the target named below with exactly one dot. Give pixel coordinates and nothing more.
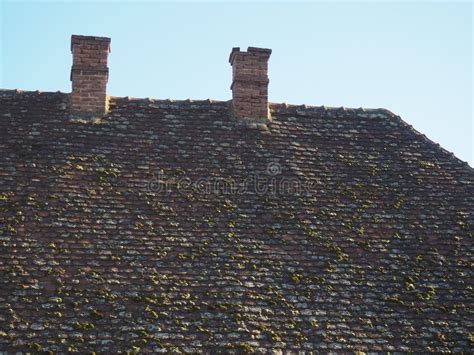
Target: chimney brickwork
(89, 75)
(250, 84)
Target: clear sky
(413, 58)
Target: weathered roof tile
(145, 230)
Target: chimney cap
(260, 51)
(76, 39)
(234, 50)
(90, 38)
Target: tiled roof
(369, 249)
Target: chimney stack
(250, 84)
(89, 74)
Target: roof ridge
(273, 105)
(360, 111)
(4, 92)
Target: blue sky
(413, 58)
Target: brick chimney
(250, 84)
(89, 74)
